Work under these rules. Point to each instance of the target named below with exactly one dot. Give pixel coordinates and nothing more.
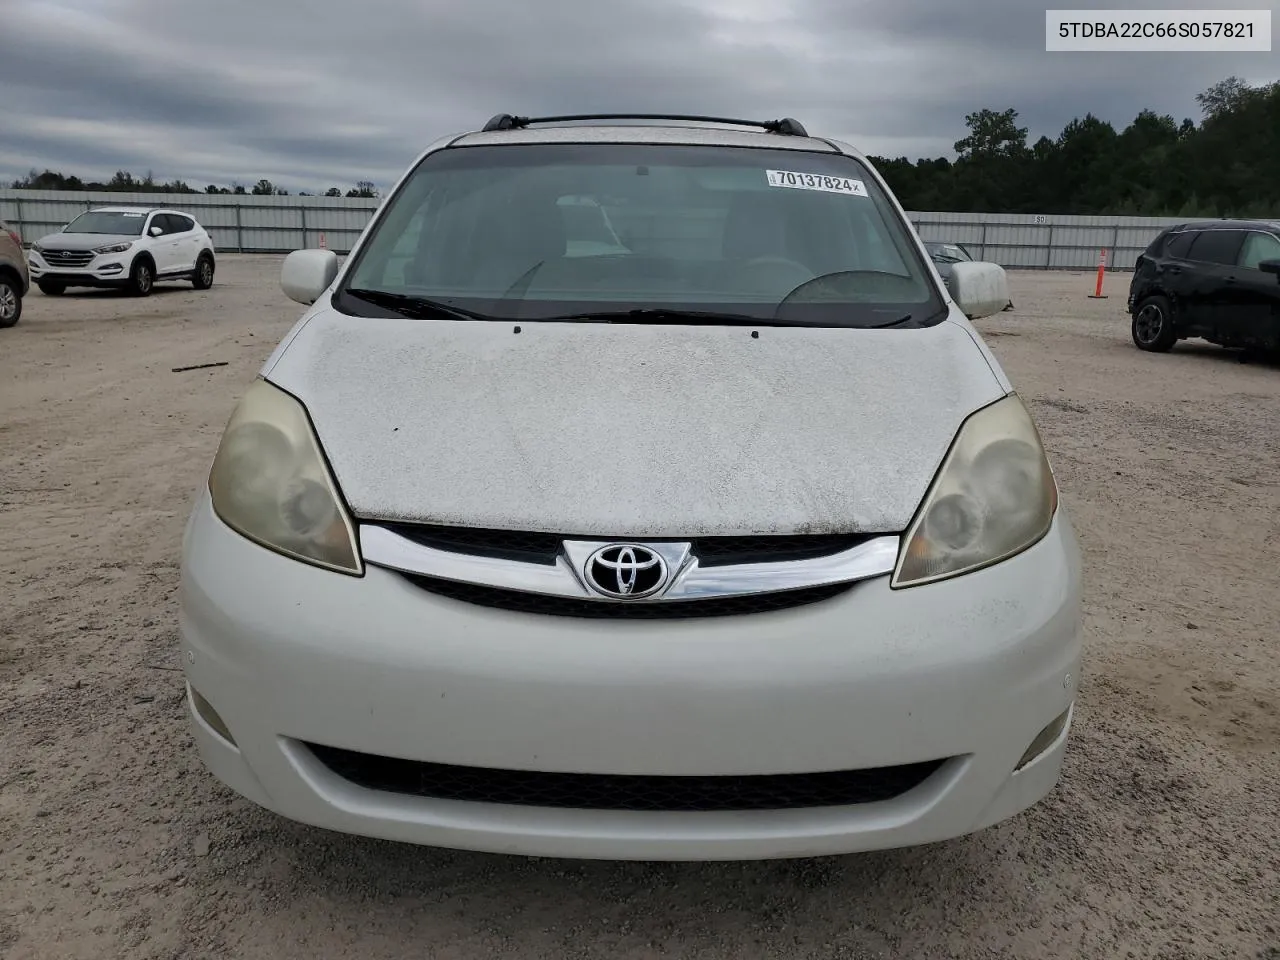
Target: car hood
(83, 241)
(633, 430)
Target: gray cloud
(330, 92)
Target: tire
(202, 277)
(142, 278)
(10, 302)
(52, 289)
(1152, 328)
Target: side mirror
(1270, 266)
(306, 274)
(156, 231)
(979, 288)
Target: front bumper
(968, 671)
(104, 270)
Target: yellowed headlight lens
(270, 483)
(993, 497)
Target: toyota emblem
(626, 571)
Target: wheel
(50, 289)
(1153, 325)
(202, 278)
(10, 302)
(141, 278)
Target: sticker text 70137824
(816, 181)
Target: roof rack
(787, 126)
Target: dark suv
(1218, 280)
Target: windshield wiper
(419, 308)
(671, 315)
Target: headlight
(993, 497)
(114, 247)
(37, 248)
(270, 482)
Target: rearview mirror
(156, 231)
(306, 274)
(1270, 266)
(979, 288)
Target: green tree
(991, 135)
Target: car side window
(181, 224)
(1258, 247)
(1179, 244)
(1217, 246)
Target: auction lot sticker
(816, 181)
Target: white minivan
(730, 540)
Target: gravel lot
(115, 842)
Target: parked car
(946, 254)
(127, 248)
(740, 547)
(14, 277)
(1218, 280)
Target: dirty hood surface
(634, 430)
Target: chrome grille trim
(68, 258)
(690, 581)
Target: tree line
(1227, 165)
(126, 182)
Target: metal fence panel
(1045, 241)
(278, 224)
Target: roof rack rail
(787, 126)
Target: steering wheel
(781, 271)
(780, 261)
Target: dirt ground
(115, 842)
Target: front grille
(521, 602)
(68, 258)
(478, 542)
(586, 791)
(773, 548)
(710, 551)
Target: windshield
(127, 223)
(546, 231)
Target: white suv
(127, 247)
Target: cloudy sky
(312, 93)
